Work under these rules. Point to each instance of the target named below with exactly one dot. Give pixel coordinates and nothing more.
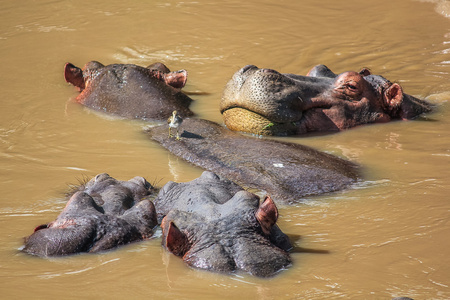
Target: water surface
(385, 237)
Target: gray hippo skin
(264, 101)
(286, 171)
(130, 91)
(215, 225)
(100, 215)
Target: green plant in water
(268, 126)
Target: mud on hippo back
(264, 101)
(130, 91)
(214, 224)
(100, 215)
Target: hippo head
(264, 101)
(99, 215)
(130, 91)
(82, 78)
(219, 239)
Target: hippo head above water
(130, 91)
(100, 215)
(264, 101)
(213, 224)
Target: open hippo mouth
(264, 101)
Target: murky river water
(386, 237)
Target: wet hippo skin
(286, 171)
(264, 101)
(213, 224)
(130, 91)
(100, 215)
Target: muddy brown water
(386, 237)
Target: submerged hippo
(286, 171)
(100, 215)
(214, 224)
(130, 91)
(264, 101)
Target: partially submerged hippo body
(286, 171)
(102, 214)
(214, 224)
(264, 101)
(130, 91)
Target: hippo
(130, 91)
(286, 171)
(100, 215)
(215, 225)
(266, 102)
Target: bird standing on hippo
(174, 121)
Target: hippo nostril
(269, 71)
(141, 181)
(101, 177)
(248, 67)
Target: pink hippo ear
(393, 97)
(176, 241)
(74, 75)
(176, 79)
(43, 226)
(267, 215)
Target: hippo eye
(351, 86)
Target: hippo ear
(267, 215)
(74, 75)
(42, 226)
(176, 79)
(175, 241)
(393, 97)
(365, 72)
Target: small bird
(174, 122)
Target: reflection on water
(49, 275)
(385, 237)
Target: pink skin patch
(64, 223)
(175, 79)
(43, 226)
(74, 76)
